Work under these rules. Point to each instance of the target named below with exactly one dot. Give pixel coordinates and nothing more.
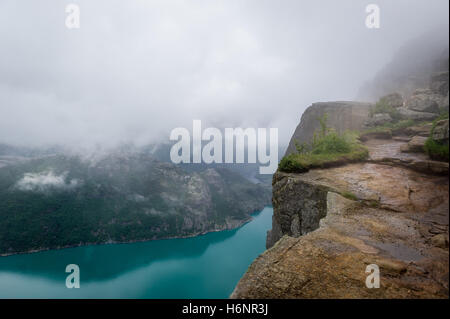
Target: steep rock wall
(299, 206)
(344, 115)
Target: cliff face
(299, 205)
(397, 219)
(341, 116)
(390, 210)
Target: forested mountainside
(55, 201)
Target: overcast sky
(136, 69)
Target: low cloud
(44, 181)
(137, 69)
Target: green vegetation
(388, 129)
(435, 150)
(402, 124)
(328, 148)
(118, 198)
(378, 131)
(349, 195)
(442, 116)
(383, 107)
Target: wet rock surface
(419, 130)
(415, 145)
(322, 242)
(391, 152)
(407, 114)
(423, 103)
(440, 132)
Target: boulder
(407, 114)
(415, 145)
(440, 132)
(423, 103)
(393, 100)
(378, 119)
(420, 130)
(441, 100)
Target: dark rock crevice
(299, 207)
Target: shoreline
(238, 225)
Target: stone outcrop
(341, 116)
(331, 261)
(422, 103)
(391, 210)
(330, 224)
(407, 114)
(440, 132)
(419, 130)
(433, 98)
(300, 204)
(393, 99)
(415, 145)
(378, 119)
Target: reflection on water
(207, 266)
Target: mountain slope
(61, 201)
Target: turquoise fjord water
(207, 266)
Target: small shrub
(301, 148)
(327, 149)
(388, 129)
(443, 114)
(289, 164)
(436, 151)
(331, 143)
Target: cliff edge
(396, 218)
(342, 115)
(390, 210)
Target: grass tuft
(327, 149)
(349, 195)
(436, 151)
